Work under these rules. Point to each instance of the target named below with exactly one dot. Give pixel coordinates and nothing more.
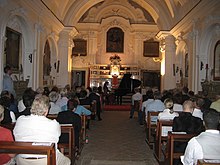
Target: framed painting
(12, 48)
(115, 40)
(80, 47)
(151, 49)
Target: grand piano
(126, 86)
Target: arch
(27, 42)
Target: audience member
(207, 144)
(62, 100)
(156, 106)
(177, 100)
(185, 96)
(216, 104)
(197, 112)
(208, 102)
(54, 108)
(188, 123)
(8, 84)
(68, 117)
(5, 102)
(5, 135)
(83, 98)
(37, 128)
(94, 96)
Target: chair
(52, 116)
(29, 148)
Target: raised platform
(117, 107)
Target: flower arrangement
(115, 58)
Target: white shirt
(145, 103)
(136, 96)
(194, 151)
(197, 113)
(35, 128)
(21, 106)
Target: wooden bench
(70, 146)
(151, 127)
(28, 148)
(159, 138)
(172, 138)
(203, 162)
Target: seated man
(207, 144)
(68, 117)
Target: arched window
(115, 40)
(216, 70)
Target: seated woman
(37, 128)
(54, 108)
(5, 135)
(167, 114)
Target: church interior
(159, 44)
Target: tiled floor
(116, 140)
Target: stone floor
(116, 140)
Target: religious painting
(115, 40)
(151, 48)
(12, 48)
(80, 47)
(216, 61)
(46, 59)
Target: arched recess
(209, 38)
(50, 59)
(182, 66)
(16, 19)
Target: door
(151, 79)
(78, 78)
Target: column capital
(161, 35)
(71, 31)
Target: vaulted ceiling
(164, 13)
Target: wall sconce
(157, 59)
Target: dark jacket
(69, 117)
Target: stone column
(168, 57)
(65, 44)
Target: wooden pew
(28, 148)
(159, 138)
(150, 128)
(204, 162)
(172, 138)
(70, 146)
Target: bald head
(188, 106)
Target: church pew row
(151, 128)
(29, 148)
(162, 126)
(174, 137)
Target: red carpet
(117, 107)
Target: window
(217, 61)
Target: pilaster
(65, 44)
(167, 49)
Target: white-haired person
(37, 128)
(54, 108)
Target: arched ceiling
(164, 13)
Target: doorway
(151, 79)
(78, 78)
